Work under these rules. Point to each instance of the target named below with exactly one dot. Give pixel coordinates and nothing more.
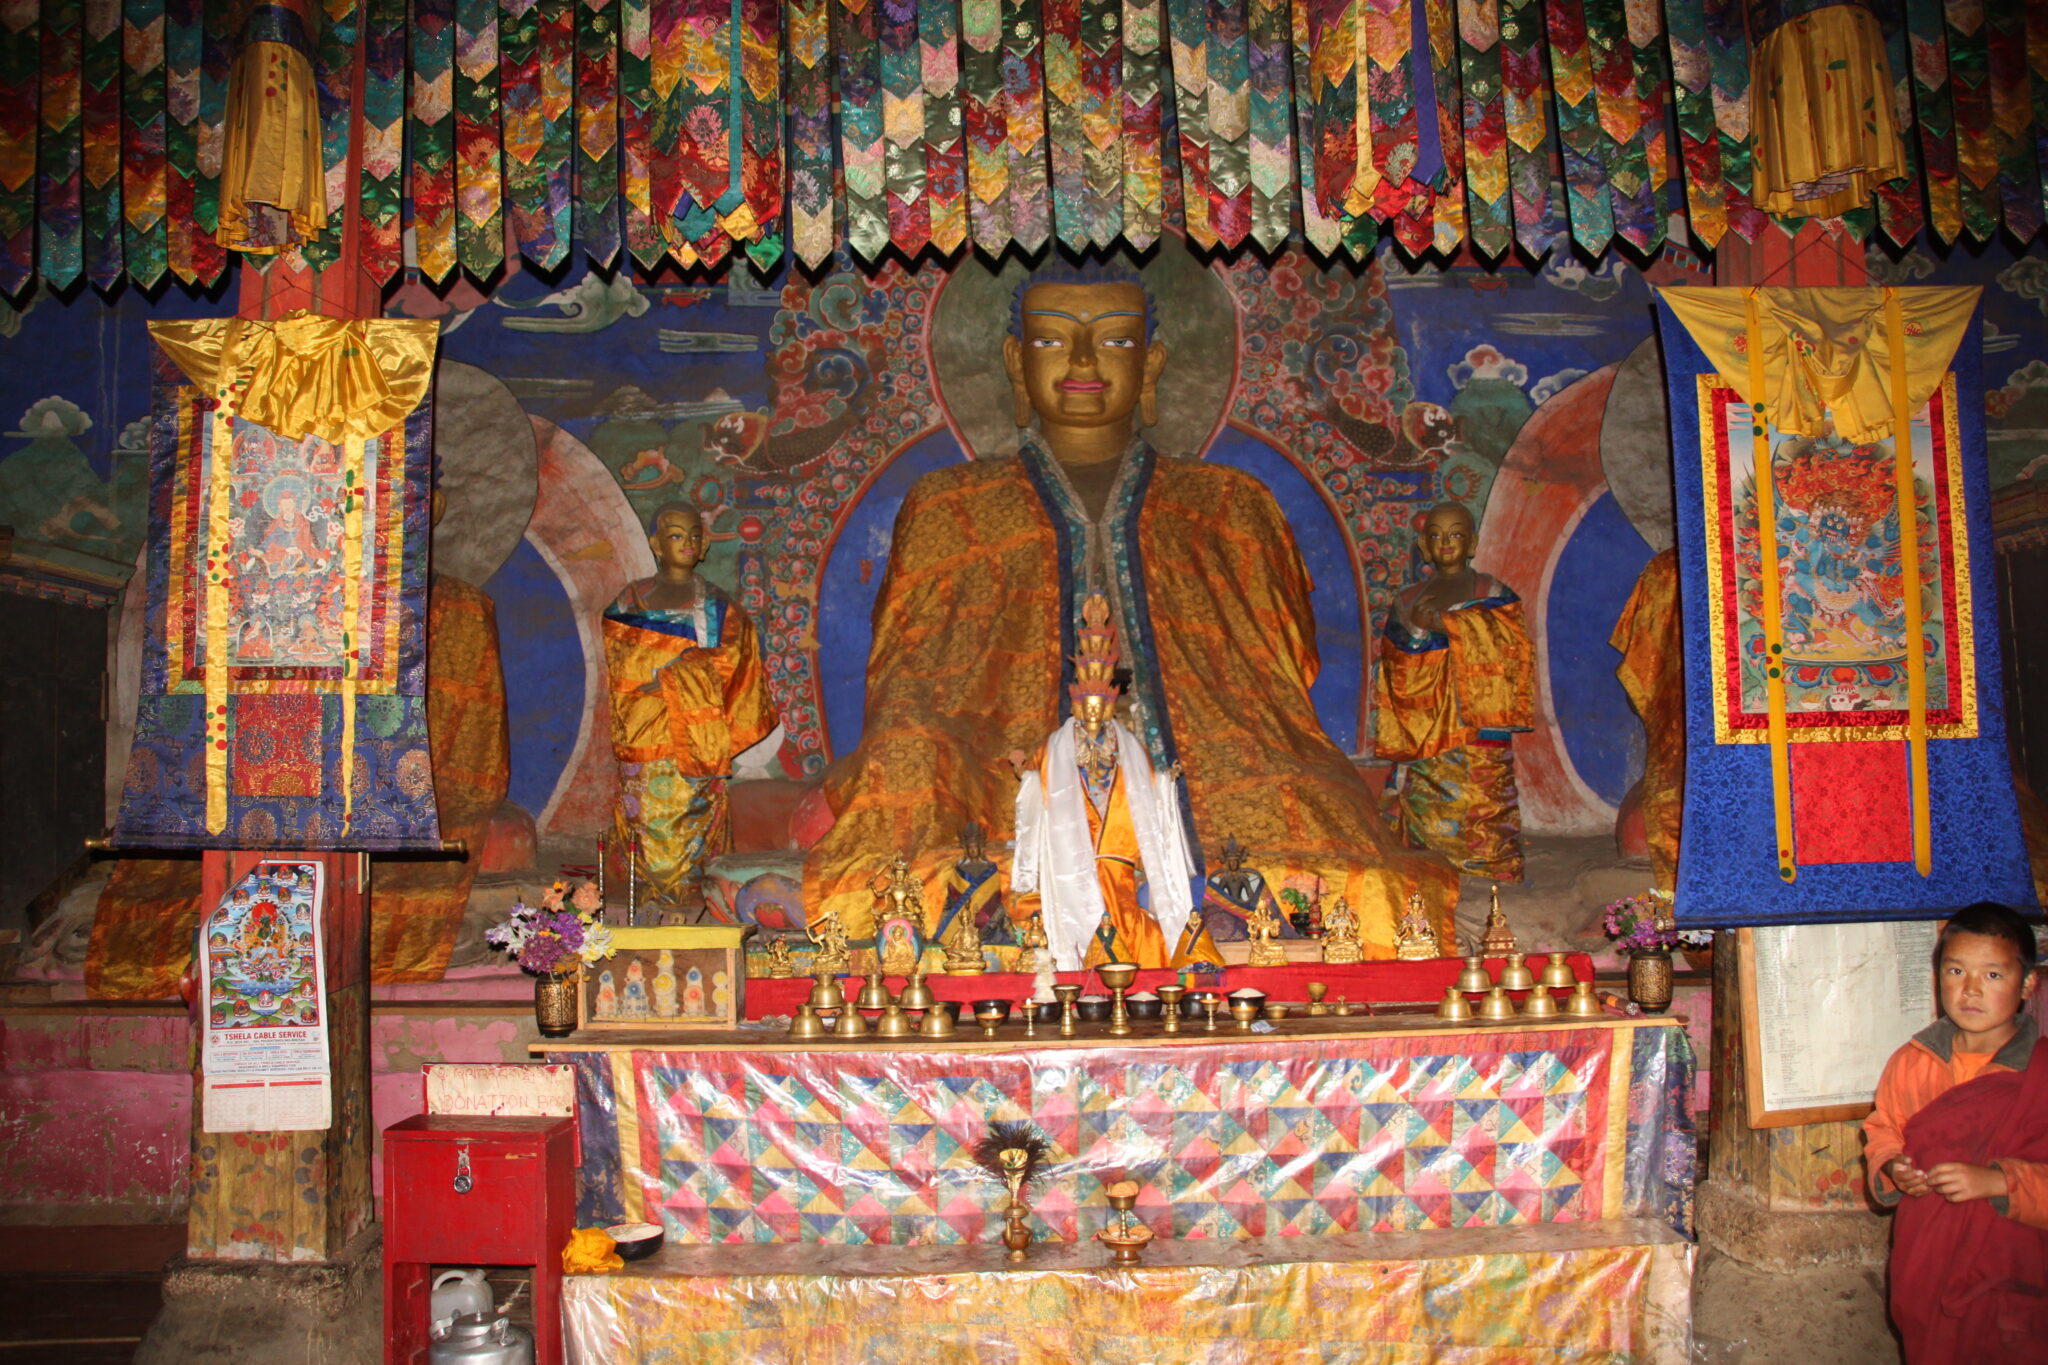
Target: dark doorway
(53, 743)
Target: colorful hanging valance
(680, 130)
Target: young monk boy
(1959, 1142)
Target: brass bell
(1474, 980)
(1559, 975)
(916, 995)
(937, 1023)
(1454, 1008)
(850, 1025)
(826, 997)
(874, 995)
(1516, 976)
(1583, 1004)
(894, 1023)
(805, 1023)
(1497, 1005)
(1539, 1005)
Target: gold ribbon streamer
(351, 603)
(1774, 635)
(1909, 555)
(219, 507)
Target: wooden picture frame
(707, 986)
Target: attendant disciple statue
(1456, 682)
(990, 562)
(688, 694)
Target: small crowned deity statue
(973, 887)
(899, 911)
(1340, 937)
(1265, 930)
(1415, 937)
(1499, 939)
(831, 959)
(781, 962)
(1038, 955)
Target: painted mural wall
(795, 412)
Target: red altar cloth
(1369, 982)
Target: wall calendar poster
(263, 999)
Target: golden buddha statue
(832, 958)
(991, 562)
(1456, 681)
(781, 962)
(1266, 951)
(1418, 941)
(1340, 936)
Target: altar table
(1329, 1126)
(1561, 1292)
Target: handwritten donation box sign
(263, 1004)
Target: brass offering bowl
(1068, 992)
(850, 1024)
(1316, 991)
(1497, 1006)
(1245, 1012)
(1583, 1004)
(1539, 1005)
(826, 997)
(1169, 1006)
(1118, 976)
(1124, 1237)
(1558, 974)
(875, 994)
(1515, 974)
(1092, 1011)
(1454, 1009)
(1474, 980)
(991, 1014)
(1143, 1008)
(894, 1023)
(936, 1024)
(1274, 1011)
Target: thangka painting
(264, 1002)
(282, 699)
(1847, 847)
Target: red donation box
(466, 1190)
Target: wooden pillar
(294, 1197)
(1805, 1169)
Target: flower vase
(554, 1004)
(1649, 979)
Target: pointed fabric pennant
(101, 98)
(1525, 92)
(1063, 122)
(334, 70)
(2037, 69)
(1270, 32)
(184, 47)
(807, 25)
(1102, 104)
(216, 54)
(1699, 144)
(479, 169)
(1934, 106)
(1143, 151)
(758, 147)
(1899, 211)
(145, 240)
(1627, 79)
(637, 100)
(1447, 186)
(60, 241)
(1188, 58)
(984, 117)
(1484, 126)
(379, 243)
(1227, 106)
(861, 148)
(2012, 111)
(597, 130)
(431, 116)
(1325, 234)
(20, 46)
(1970, 94)
(1030, 189)
(536, 65)
(945, 151)
(1651, 61)
(903, 168)
(1578, 126)
(1388, 84)
(1728, 42)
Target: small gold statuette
(1265, 931)
(781, 962)
(832, 957)
(1415, 937)
(963, 954)
(1499, 940)
(1340, 936)
(899, 947)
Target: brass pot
(554, 1004)
(1649, 979)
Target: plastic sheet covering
(1565, 1292)
(1244, 1136)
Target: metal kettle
(474, 1339)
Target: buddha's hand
(1018, 760)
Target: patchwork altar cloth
(283, 674)
(1825, 363)
(1253, 1136)
(1489, 1296)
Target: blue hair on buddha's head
(1057, 271)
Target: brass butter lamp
(991, 1017)
(1067, 992)
(1244, 1011)
(1118, 976)
(1169, 1006)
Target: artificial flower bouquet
(566, 927)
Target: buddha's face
(1447, 539)
(1082, 360)
(1093, 712)
(677, 542)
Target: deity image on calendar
(260, 962)
(981, 608)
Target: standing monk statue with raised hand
(688, 695)
(981, 607)
(1457, 680)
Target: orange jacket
(1918, 1073)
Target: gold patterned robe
(965, 666)
(1652, 672)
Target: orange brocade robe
(1652, 672)
(965, 667)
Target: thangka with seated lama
(1846, 751)
(283, 677)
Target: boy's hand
(1909, 1178)
(1959, 1181)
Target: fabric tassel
(597, 131)
(945, 154)
(216, 49)
(184, 44)
(431, 114)
(1484, 126)
(1063, 121)
(860, 126)
(380, 247)
(1102, 103)
(20, 46)
(984, 116)
(1970, 94)
(1144, 187)
(758, 146)
(102, 118)
(334, 70)
(1934, 109)
(1699, 143)
(1188, 57)
(807, 25)
(1525, 93)
(644, 240)
(1447, 198)
(1227, 106)
(145, 240)
(1578, 126)
(1899, 211)
(1630, 194)
(1728, 41)
(479, 167)
(1270, 32)
(1649, 58)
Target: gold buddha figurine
(781, 962)
(1415, 938)
(832, 958)
(963, 948)
(1499, 939)
(1265, 930)
(1340, 936)
(899, 916)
